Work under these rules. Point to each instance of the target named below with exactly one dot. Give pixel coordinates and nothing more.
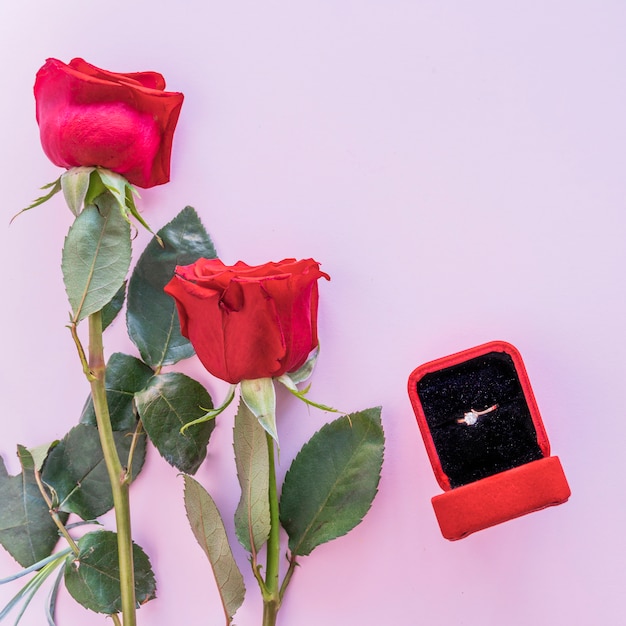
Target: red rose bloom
(247, 322)
(122, 122)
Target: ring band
(471, 417)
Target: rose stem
(119, 476)
(55, 514)
(271, 597)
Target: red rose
(248, 322)
(122, 122)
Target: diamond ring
(471, 417)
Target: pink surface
(458, 170)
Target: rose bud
(248, 322)
(121, 122)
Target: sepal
(211, 413)
(306, 370)
(289, 383)
(75, 185)
(54, 187)
(124, 193)
(259, 396)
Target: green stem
(292, 568)
(271, 598)
(131, 453)
(116, 619)
(270, 612)
(117, 473)
(55, 515)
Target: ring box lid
(441, 391)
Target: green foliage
(152, 318)
(125, 376)
(96, 257)
(332, 481)
(113, 307)
(208, 529)
(27, 531)
(252, 517)
(165, 405)
(93, 578)
(76, 471)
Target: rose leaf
(113, 307)
(93, 577)
(96, 257)
(76, 470)
(208, 529)
(125, 376)
(151, 317)
(27, 531)
(252, 517)
(165, 405)
(332, 481)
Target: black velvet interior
(500, 440)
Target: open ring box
(485, 439)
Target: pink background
(458, 169)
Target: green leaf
(113, 307)
(252, 517)
(96, 257)
(75, 184)
(208, 529)
(26, 529)
(39, 454)
(151, 314)
(332, 481)
(76, 470)
(260, 397)
(93, 578)
(167, 403)
(125, 376)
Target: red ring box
(499, 467)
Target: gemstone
(470, 418)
